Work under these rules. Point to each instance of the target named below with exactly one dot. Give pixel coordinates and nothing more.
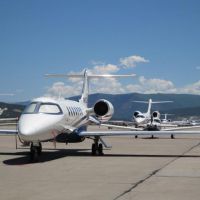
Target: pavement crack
(154, 172)
(136, 184)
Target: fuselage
(141, 118)
(45, 118)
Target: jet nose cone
(26, 129)
(37, 127)
(140, 120)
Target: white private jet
(144, 118)
(62, 120)
(165, 119)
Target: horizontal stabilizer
(89, 76)
(153, 102)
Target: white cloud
(156, 85)
(114, 86)
(105, 69)
(131, 61)
(106, 85)
(191, 89)
(63, 90)
(151, 86)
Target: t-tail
(150, 102)
(86, 78)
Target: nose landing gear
(97, 148)
(35, 151)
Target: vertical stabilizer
(149, 107)
(85, 90)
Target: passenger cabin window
(30, 108)
(74, 111)
(68, 110)
(49, 109)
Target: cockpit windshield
(30, 108)
(47, 108)
(140, 116)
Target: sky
(157, 40)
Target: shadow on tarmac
(61, 153)
(45, 156)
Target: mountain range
(184, 105)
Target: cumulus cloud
(73, 86)
(63, 90)
(156, 85)
(104, 69)
(131, 61)
(191, 89)
(149, 86)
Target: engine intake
(156, 114)
(103, 109)
(136, 113)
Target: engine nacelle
(136, 114)
(103, 110)
(156, 114)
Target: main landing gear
(97, 148)
(35, 151)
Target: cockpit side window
(49, 108)
(31, 108)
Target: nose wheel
(35, 151)
(97, 148)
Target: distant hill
(13, 110)
(184, 105)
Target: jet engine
(156, 114)
(103, 110)
(136, 114)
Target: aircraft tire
(39, 149)
(100, 149)
(34, 154)
(94, 149)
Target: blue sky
(60, 36)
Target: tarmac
(139, 169)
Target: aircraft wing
(8, 132)
(183, 128)
(133, 133)
(168, 125)
(122, 127)
(8, 119)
